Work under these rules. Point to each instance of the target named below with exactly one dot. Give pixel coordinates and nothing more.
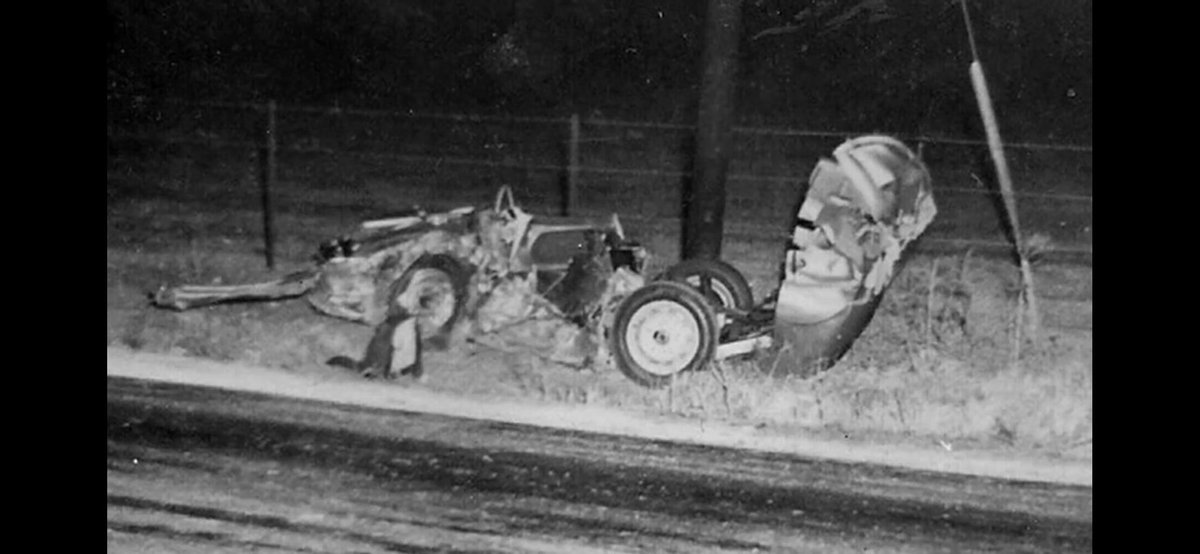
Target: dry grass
(948, 377)
(937, 361)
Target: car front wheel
(661, 330)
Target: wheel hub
(663, 337)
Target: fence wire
(487, 155)
(600, 170)
(628, 124)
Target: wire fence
(594, 164)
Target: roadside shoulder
(350, 390)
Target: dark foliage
(804, 62)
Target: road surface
(195, 469)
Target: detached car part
(861, 211)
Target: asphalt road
(194, 469)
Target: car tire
(434, 290)
(662, 330)
(716, 280)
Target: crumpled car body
(861, 211)
(493, 268)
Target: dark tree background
(859, 65)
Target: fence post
(268, 181)
(571, 205)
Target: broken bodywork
(494, 269)
(861, 211)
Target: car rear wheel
(716, 280)
(434, 290)
(661, 330)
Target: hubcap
(663, 337)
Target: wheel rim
(663, 337)
(713, 289)
(430, 296)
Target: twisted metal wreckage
(571, 289)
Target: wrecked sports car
(572, 289)
(420, 276)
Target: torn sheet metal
(862, 210)
(357, 287)
(538, 281)
(565, 321)
(859, 214)
(193, 296)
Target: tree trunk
(705, 198)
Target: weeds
(950, 383)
